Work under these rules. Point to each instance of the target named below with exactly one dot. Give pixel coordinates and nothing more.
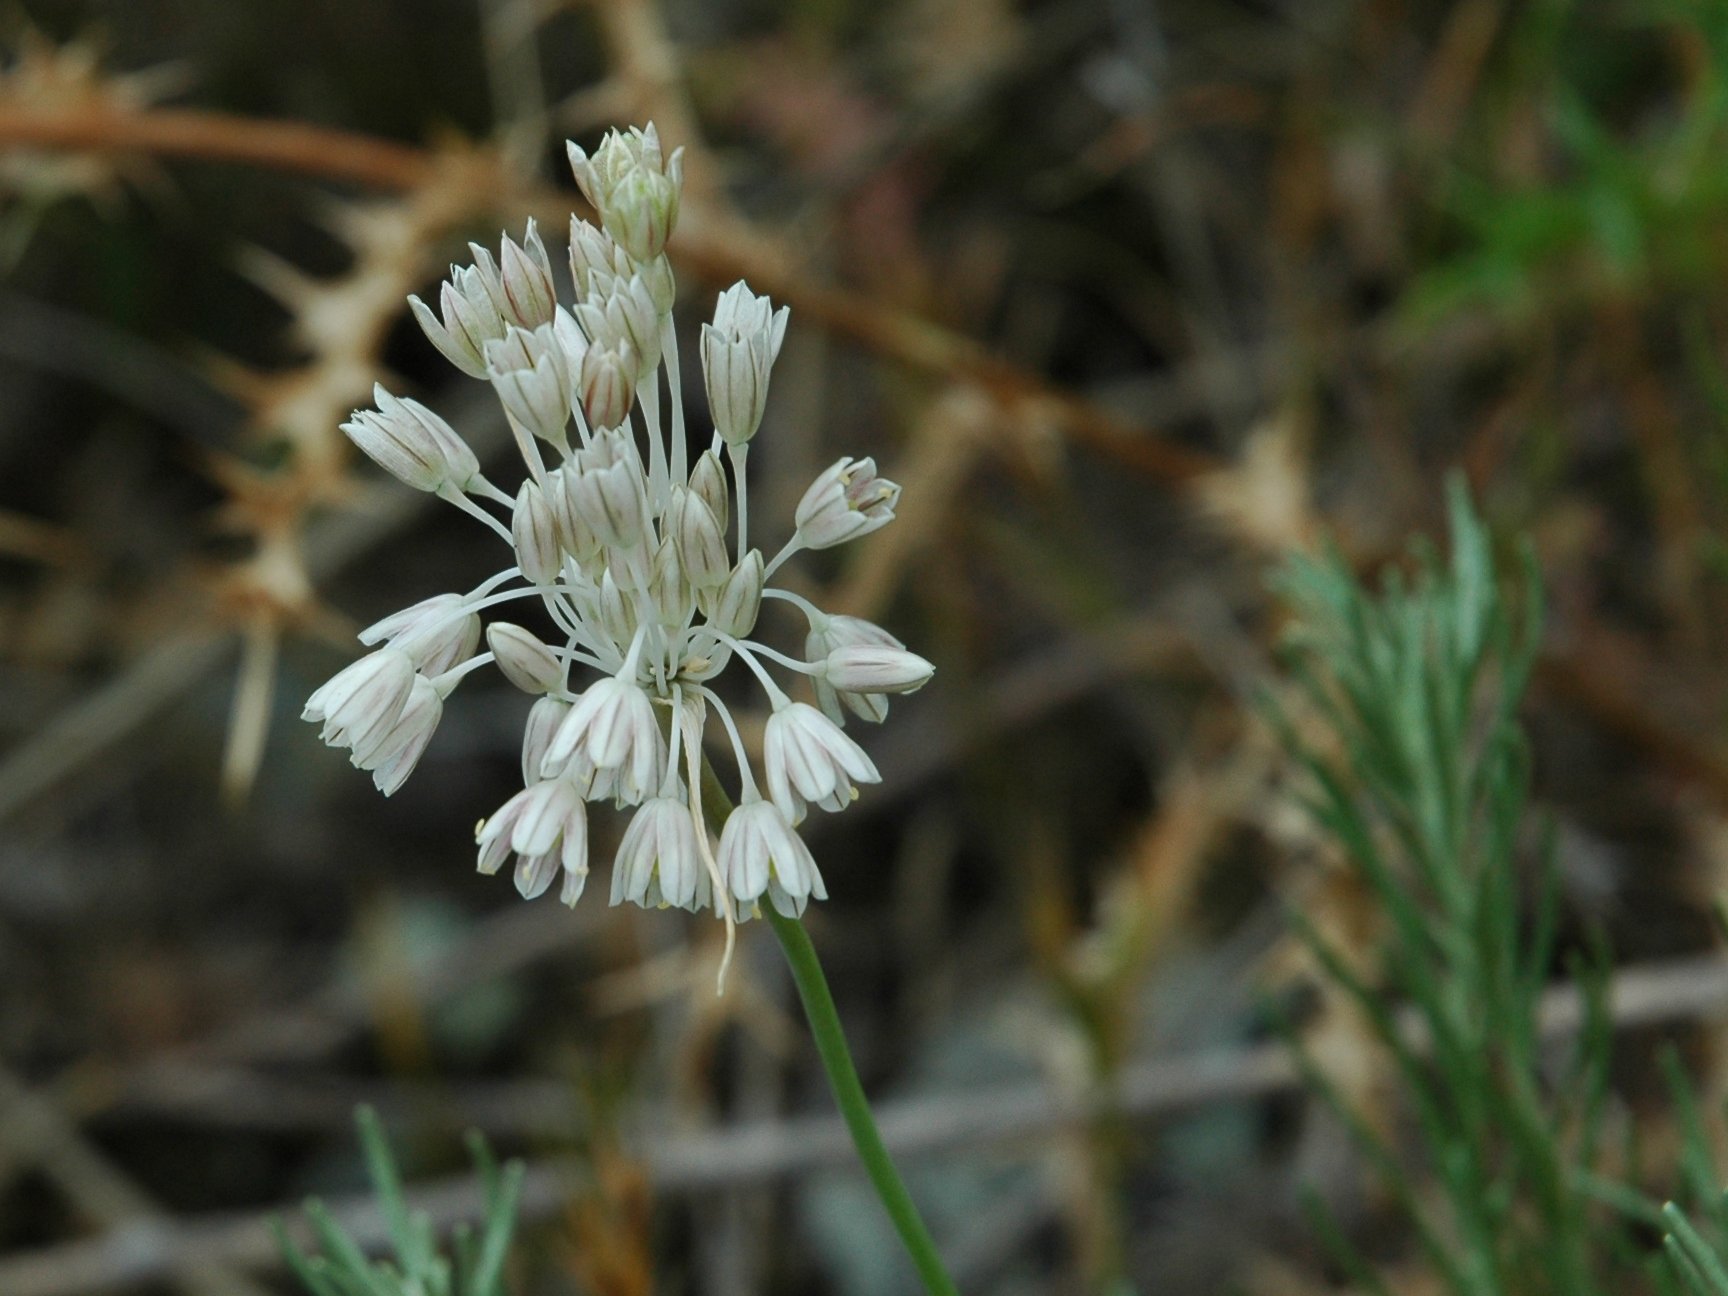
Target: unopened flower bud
(412, 444)
(701, 546)
(606, 384)
(643, 208)
(734, 607)
(525, 661)
(470, 320)
(536, 536)
(870, 668)
(630, 569)
(617, 616)
(738, 351)
(531, 376)
(669, 593)
(708, 481)
(574, 532)
(635, 190)
(607, 490)
(525, 273)
(847, 501)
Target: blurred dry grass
(1131, 297)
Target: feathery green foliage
(419, 1268)
(1420, 772)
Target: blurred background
(1134, 297)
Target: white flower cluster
(640, 561)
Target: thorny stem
(843, 1079)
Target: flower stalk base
(849, 1095)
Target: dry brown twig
(715, 250)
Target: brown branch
(717, 256)
(710, 244)
(222, 137)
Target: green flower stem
(842, 1074)
(849, 1094)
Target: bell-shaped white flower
(760, 854)
(531, 374)
(595, 258)
(847, 501)
(830, 632)
(659, 860)
(612, 728)
(437, 632)
(623, 312)
(361, 703)
(399, 751)
(544, 717)
(413, 444)
(808, 757)
(546, 826)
